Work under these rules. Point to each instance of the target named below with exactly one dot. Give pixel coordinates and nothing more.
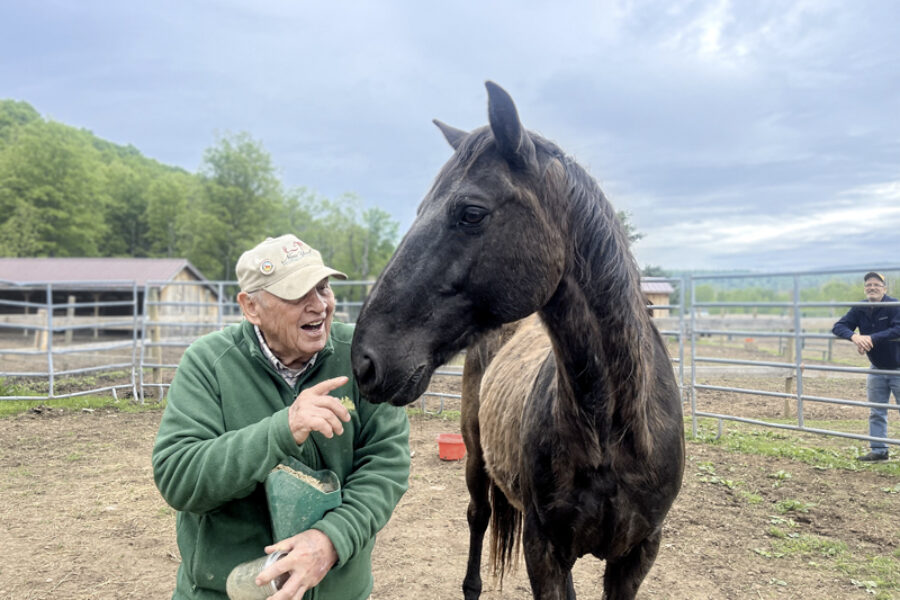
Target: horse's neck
(601, 341)
(587, 345)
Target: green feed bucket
(296, 501)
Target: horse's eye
(472, 215)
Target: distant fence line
(802, 331)
(136, 339)
(141, 332)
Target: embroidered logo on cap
(295, 251)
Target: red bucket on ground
(451, 446)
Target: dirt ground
(81, 519)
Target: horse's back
(505, 387)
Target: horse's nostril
(364, 369)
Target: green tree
(334, 223)
(66, 192)
(126, 189)
(19, 233)
(14, 115)
(166, 214)
(841, 291)
(299, 210)
(654, 271)
(832, 291)
(630, 232)
(238, 207)
(705, 293)
(379, 240)
(48, 168)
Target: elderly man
(879, 339)
(248, 397)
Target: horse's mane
(610, 279)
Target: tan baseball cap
(283, 266)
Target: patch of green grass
(729, 483)
(445, 415)
(878, 575)
(706, 466)
(818, 451)
(883, 571)
(807, 545)
(708, 475)
(790, 505)
(780, 476)
(869, 586)
(10, 408)
(783, 521)
(8, 388)
(892, 490)
(751, 497)
(768, 553)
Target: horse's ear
(453, 135)
(513, 141)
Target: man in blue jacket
(879, 339)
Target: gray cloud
(706, 120)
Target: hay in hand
(348, 403)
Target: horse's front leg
(478, 515)
(624, 574)
(550, 575)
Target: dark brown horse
(572, 419)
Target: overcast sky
(759, 134)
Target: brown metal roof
(84, 270)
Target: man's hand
(310, 556)
(315, 410)
(863, 342)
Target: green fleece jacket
(226, 426)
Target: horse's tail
(506, 533)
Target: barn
(97, 281)
(658, 293)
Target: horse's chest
(582, 502)
(587, 511)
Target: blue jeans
(878, 389)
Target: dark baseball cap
(872, 274)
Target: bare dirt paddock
(80, 518)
